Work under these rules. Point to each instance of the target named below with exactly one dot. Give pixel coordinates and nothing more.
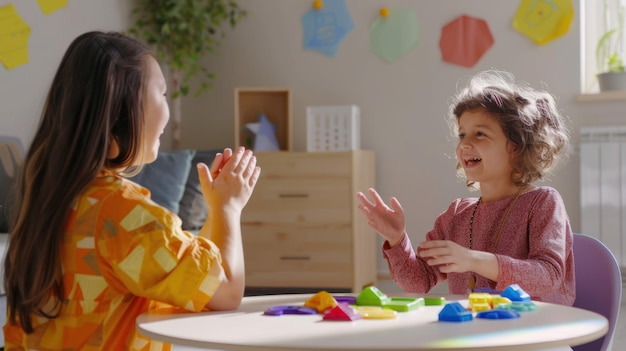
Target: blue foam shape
(487, 290)
(498, 314)
(514, 293)
(454, 312)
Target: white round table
(247, 329)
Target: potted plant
(182, 33)
(610, 53)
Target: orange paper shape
(543, 20)
(465, 40)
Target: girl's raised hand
(390, 223)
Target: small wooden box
(275, 103)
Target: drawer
(300, 201)
(298, 256)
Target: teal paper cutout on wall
(394, 33)
(325, 28)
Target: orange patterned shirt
(122, 255)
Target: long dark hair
(95, 97)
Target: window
(598, 17)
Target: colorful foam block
(322, 301)
(515, 293)
(454, 312)
(498, 314)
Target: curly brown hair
(528, 117)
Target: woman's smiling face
(155, 109)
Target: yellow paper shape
(49, 6)
(14, 34)
(543, 20)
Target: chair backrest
(598, 285)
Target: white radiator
(603, 186)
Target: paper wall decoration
(49, 6)
(394, 33)
(325, 26)
(543, 20)
(14, 34)
(465, 40)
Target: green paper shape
(395, 35)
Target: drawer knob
(293, 195)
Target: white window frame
(591, 28)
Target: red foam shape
(342, 312)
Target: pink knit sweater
(535, 249)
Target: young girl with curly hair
(509, 136)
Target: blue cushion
(166, 177)
(193, 209)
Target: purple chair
(598, 285)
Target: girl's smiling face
(483, 150)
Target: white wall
(24, 88)
(403, 104)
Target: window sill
(604, 96)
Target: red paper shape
(465, 40)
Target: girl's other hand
(389, 222)
(450, 256)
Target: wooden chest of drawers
(302, 228)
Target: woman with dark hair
(89, 251)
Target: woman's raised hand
(231, 180)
